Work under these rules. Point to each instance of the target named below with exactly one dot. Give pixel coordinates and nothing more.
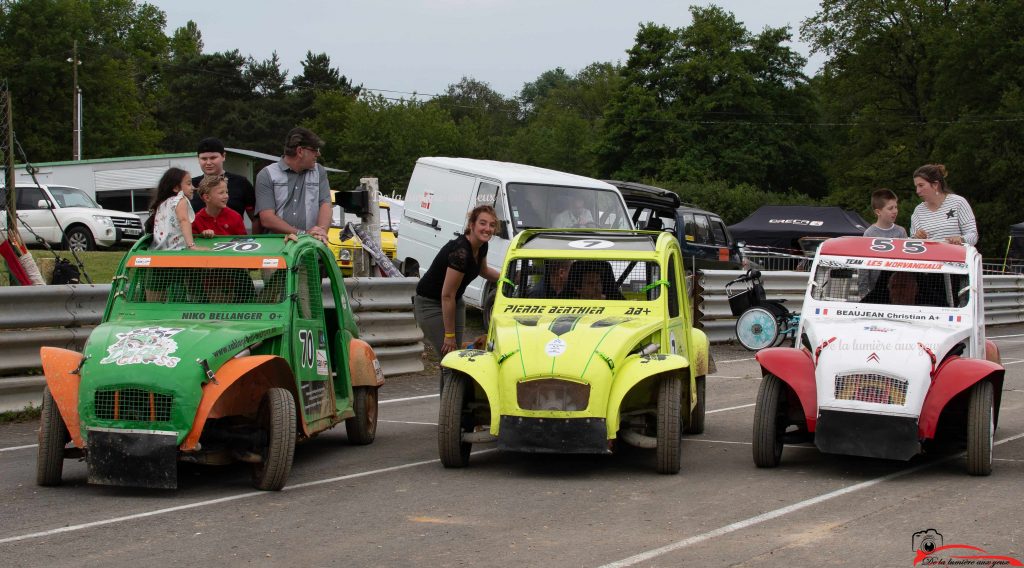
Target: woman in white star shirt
(942, 215)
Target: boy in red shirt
(216, 218)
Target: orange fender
(219, 399)
(794, 368)
(363, 366)
(58, 365)
(992, 352)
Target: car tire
(53, 436)
(669, 433)
(769, 422)
(79, 238)
(757, 328)
(362, 428)
(695, 425)
(452, 450)
(276, 417)
(980, 429)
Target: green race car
(590, 342)
(210, 356)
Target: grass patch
(99, 265)
(28, 414)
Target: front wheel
(669, 433)
(53, 436)
(769, 422)
(980, 429)
(362, 428)
(757, 328)
(276, 419)
(79, 238)
(450, 447)
(696, 423)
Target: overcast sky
(425, 45)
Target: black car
(702, 235)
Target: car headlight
(345, 255)
(102, 220)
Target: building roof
(239, 151)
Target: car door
(34, 220)
(312, 362)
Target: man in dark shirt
(241, 195)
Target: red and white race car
(891, 355)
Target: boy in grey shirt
(886, 207)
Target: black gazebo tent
(780, 226)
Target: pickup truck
(68, 217)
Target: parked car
(611, 357)
(891, 358)
(212, 357)
(344, 250)
(703, 237)
(442, 192)
(66, 216)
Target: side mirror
(42, 204)
(356, 201)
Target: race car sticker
(591, 244)
(321, 362)
(314, 398)
(428, 196)
(555, 347)
(144, 346)
(238, 245)
(270, 262)
(142, 260)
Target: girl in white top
(170, 214)
(942, 214)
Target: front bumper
(553, 435)
(868, 435)
(133, 458)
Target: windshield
(547, 207)
(891, 287)
(72, 197)
(566, 279)
(205, 285)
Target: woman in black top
(440, 311)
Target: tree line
(722, 115)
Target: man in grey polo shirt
(293, 195)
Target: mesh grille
(871, 387)
(206, 285)
(135, 405)
(552, 394)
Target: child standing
(170, 215)
(886, 207)
(216, 218)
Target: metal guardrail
(64, 316)
(1004, 298)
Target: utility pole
(76, 107)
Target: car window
(72, 197)
(565, 279)
(894, 288)
(28, 198)
(703, 235)
(690, 226)
(718, 233)
(673, 289)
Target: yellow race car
(590, 343)
(345, 250)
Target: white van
(442, 192)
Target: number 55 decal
(886, 245)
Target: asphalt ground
(393, 504)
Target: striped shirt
(953, 218)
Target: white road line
(11, 449)
(788, 446)
(736, 360)
(83, 526)
(678, 545)
(730, 408)
(408, 398)
(407, 422)
(1012, 363)
(724, 377)
(1004, 336)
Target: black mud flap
(133, 458)
(867, 435)
(553, 435)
